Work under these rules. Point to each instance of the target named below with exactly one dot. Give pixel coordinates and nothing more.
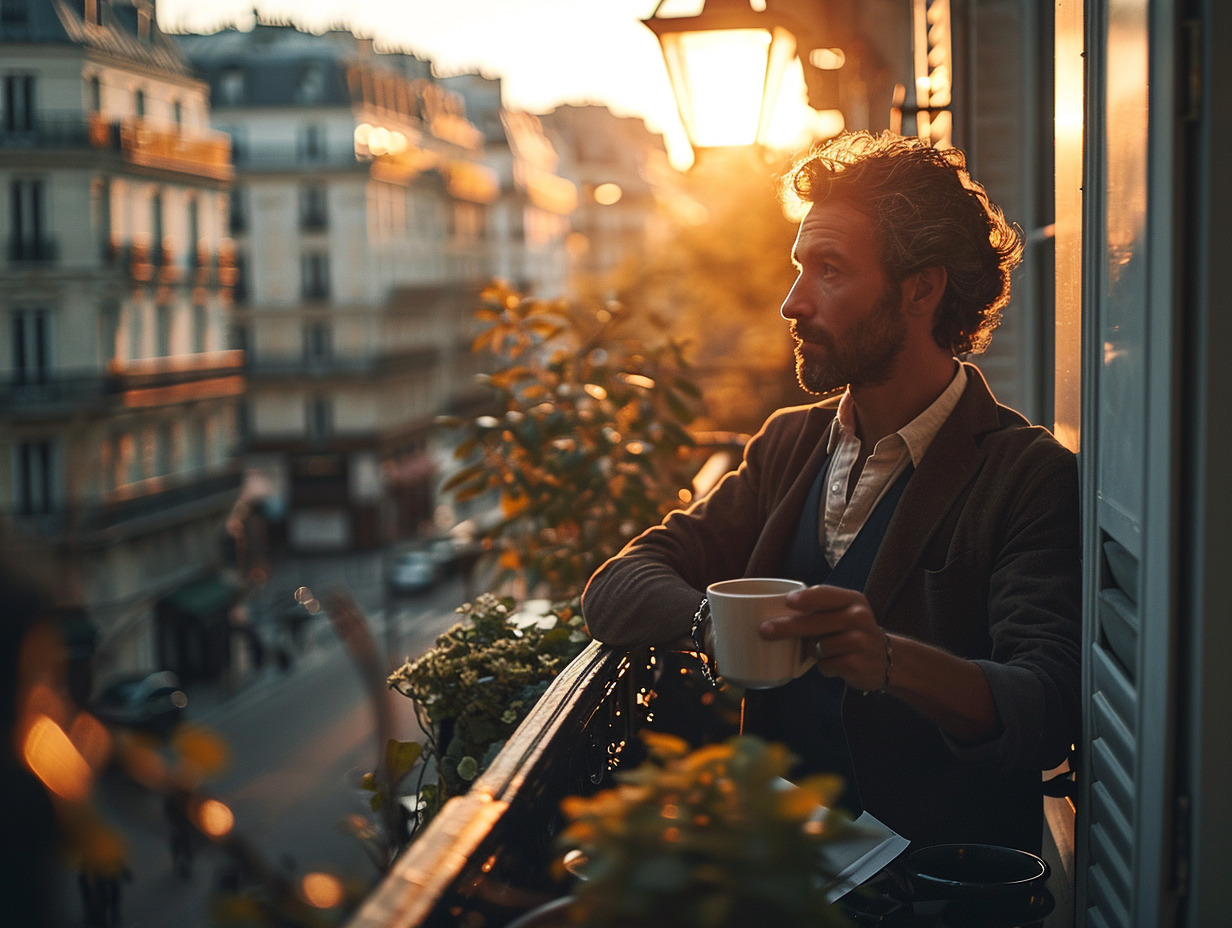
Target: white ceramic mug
(737, 609)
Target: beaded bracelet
(698, 633)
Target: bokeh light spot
(52, 757)
(214, 818)
(322, 890)
(607, 194)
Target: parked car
(152, 702)
(412, 572)
(454, 554)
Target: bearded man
(937, 531)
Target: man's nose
(795, 306)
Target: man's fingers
(822, 598)
(829, 621)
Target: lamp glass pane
(719, 77)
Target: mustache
(805, 334)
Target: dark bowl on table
(982, 873)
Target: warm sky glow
(547, 52)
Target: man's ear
(924, 288)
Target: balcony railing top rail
(487, 856)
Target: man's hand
(840, 629)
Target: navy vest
(807, 714)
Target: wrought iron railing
(487, 856)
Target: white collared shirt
(842, 518)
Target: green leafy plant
(477, 683)
(589, 442)
(712, 838)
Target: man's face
(845, 314)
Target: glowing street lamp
(726, 65)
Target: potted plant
(709, 838)
(477, 683)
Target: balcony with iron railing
(145, 506)
(199, 267)
(32, 250)
(51, 392)
(198, 152)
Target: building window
(31, 333)
(162, 330)
(34, 477)
(314, 276)
(139, 103)
(100, 216)
(231, 87)
(194, 229)
(162, 451)
(136, 331)
(96, 95)
(109, 333)
(239, 291)
(13, 13)
(311, 142)
(19, 113)
(156, 228)
(28, 240)
(243, 423)
(311, 88)
(238, 216)
(320, 418)
(238, 338)
(177, 112)
(196, 445)
(318, 341)
(200, 328)
(312, 212)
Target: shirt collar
(917, 434)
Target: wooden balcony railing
(487, 856)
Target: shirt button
(834, 487)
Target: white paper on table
(858, 853)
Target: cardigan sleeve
(1034, 597)
(649, 592)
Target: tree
(589, 441)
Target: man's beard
(865, 358)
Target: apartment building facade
(363, 215)
(118, 392)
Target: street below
(300, 738)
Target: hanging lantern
(726, 65)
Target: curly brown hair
(927, 211)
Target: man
(937, 529)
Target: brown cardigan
(981, 558)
